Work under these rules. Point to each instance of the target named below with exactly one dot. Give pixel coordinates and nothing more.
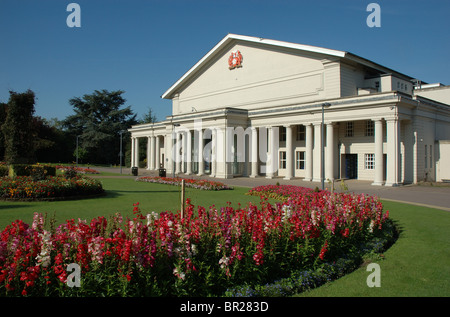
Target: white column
(183, 151)
(289, 153)
(177, 153)
(378, 153)
(309, 153)
(157, 153)
(393, 152)
(271, 160)
(254, 158)
(317, 167)
(188, 152)
(136, 152)
(133, 145)
(201, 165)
(151, 153)
(329, 167)
(213, 157)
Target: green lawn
(418, 264)
(121, 194)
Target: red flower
(323, 251)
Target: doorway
(350, 166)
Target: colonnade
(316, 164)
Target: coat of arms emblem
(235, 60)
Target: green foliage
(32, 188)
(37, 171)
(18, 128)
(98, 119)
(4, 170)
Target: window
(369, 128)
(369, 161)
(282, 160)
(349, 129)
(301, 133)
(283, 134)
(300, 160)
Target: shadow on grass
(13, 205)
(117, 193)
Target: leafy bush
(38, 171)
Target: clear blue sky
(144, 46)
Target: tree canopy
(18, 129)
(98, 119)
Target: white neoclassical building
(263, 108)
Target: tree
(149, 117)
(18, 128)
(98, 119)
(52, 143)
(3, 108)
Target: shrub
(35, 170)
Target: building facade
(263, 108)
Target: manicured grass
(417, 265)
(121, 194)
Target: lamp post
(323, 145)
(174, 157)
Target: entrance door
(351, 166)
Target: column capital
(392, 119)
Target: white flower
(372, 224)
(194, 249)
(151, 217)
(223, 262)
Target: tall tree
(149, 117)
(98, 119)
(18, 128)
(3, 108)
(52, 143)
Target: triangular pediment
(233, 43)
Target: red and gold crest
(235, 60)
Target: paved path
(437, 196)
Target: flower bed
(201, 184)
(26, 188)
(210, 252)
(281, 192)
(78, 170)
